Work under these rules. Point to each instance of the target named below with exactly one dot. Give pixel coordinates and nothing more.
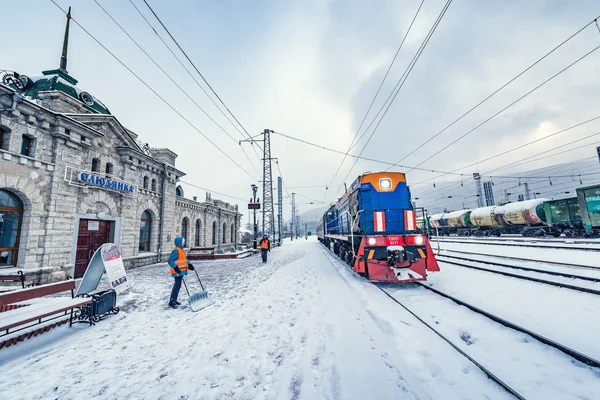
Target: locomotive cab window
(385, 183)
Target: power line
(498, 90)
(507, 107)
(402, 80)
(517, 148)
(153, 91)
(170, 78)
(196, 68)
(212, 191)
(377, 92)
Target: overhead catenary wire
(171, 79)
(195, 68)
(155, 92)
(507, 107)
(377, 92)
(402, 80)
(212, 191)
(514, 148)
(498, 90)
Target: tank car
(373, 228)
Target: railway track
(521, 259)
(513, 244)
(525, 277)
(587, 360)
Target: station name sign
(253, 206)
(78, 177)
(106, 183)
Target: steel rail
(567, 350)
(541, 271)
(522, 259)
(499, 243)
(468, 357)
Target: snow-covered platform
(291, 328)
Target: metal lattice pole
(279, 207)
(268, 211)
(293, 219)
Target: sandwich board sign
(106, 258)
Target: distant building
(488, 189)
(72, 178)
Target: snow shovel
(200, 300)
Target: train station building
(72, 177)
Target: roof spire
(63, 57)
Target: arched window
(11, 212)
(109, 168)
(214, 233)
(185, 229)
(153, 185)
(145, 231)
(95, 165)
(179, 191)
(197, 234)
(224, 232)
(145, 182)
(232, 234)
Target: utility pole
(527, 193)
(279, 207)
(293, 220)
(254, 205)
(268, 222)
(477, 179)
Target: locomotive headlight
(372, 241)
(415, 240)
(385, 183)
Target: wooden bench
(28, 308)
(11, 277)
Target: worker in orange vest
(265, 246)
(179, 267)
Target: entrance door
(92, 235)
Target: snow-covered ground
(289, 329)
(563, 315)
(533, 369)
(304, 326)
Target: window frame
(30, 152)
(148, 220)
(20, 210)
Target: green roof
(59, 80)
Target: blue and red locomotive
(373, 229)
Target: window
(68, 132)
(95, 165)
(185, 229)
(109, 168)
(224, 233)
(154, 185)
(4, 137)
(214, 233)
(145, 231)
(197, 234)
(145, 182)
(11, 211)
(179, 191)
(27, 146)
(232, 234)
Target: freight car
(538, 217)
(589, 204)
(372, 227)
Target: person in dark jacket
(265, 246)
(179, 268)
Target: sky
(309, 69)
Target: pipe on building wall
(16, 98)
(162, 213)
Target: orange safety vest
(181, 262)
(264, 244)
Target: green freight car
(589, 203)
(563, 214)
